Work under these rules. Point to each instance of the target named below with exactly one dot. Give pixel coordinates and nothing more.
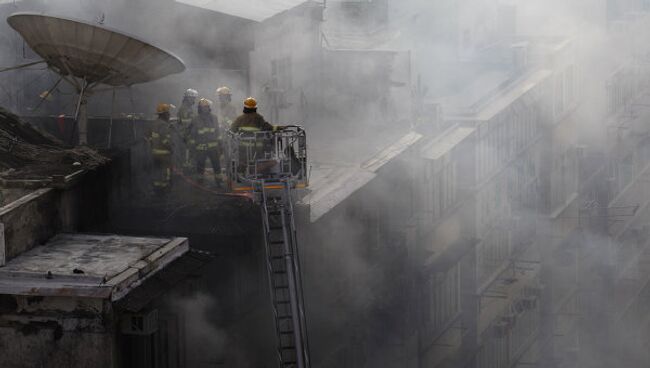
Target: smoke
(205, 344)
(361, 74)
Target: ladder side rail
(293, 291)
(298, 279)
(269, 266)
(232, 158)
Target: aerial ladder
(272, 167)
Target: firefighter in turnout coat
(204, 140)
(160, 140)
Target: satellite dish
(87, 55)
(93, 52)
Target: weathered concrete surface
(40, 214)
(30, 220)
(95, 266)
(56, 332)
(94, 255)
(46, 345)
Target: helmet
(204, 102)
(191, 93)
(250, 103)
(163, 108)
(224, 91)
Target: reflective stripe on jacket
(204, 133)
(161, 138)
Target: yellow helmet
(224, 91)
(204, 102)
(163, 108)
(250, 103)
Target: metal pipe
(110, 124)
(21, 66)
(49, 91)
(81, 116)
(72, 79)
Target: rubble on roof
(27, 154)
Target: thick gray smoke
(361, 74)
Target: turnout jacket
(204, 133)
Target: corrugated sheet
(96, 53)
(256, 10)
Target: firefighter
(226, 112)
(250, 120)
(160, 139)
(204, 140)
(186, 113)
(187, 110)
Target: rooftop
(95, 266)
(444, 143)
(499, 98)
(332, 182)
(255, 10)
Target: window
(281, 76)
(493, 252)
(444, 305)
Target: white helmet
(223, 91)
(191, 93)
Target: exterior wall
(379, 82)
(56, 332)
(30, 222)
(301, 76)
(36, 217)
(595, 184)
(364, 247)
(286, 64)
(508, 164)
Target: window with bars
(441, 189)
(444, 304)
(492, 253)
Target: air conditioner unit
(145, 323)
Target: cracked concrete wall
(35, 218)
(30, 223)
(48, 345)
(56, 332)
